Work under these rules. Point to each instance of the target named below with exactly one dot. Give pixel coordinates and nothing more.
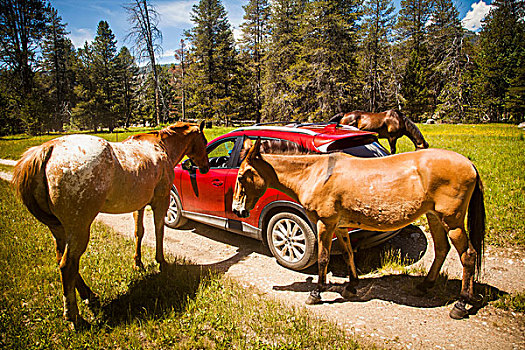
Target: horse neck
(176, 146)
(290, 172)
(412, 132)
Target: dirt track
(386, 310)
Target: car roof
(319, 137)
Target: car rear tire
(174, 218)
(291, 241)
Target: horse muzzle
(204, 169)
(241, 213)
(238, 209)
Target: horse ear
(255, 151)
(202, 125)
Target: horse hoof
(139, 266)
(93, 302)
(348, 293)
(312, 300)
(458, 312)
(79, 324)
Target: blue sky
(82, 17)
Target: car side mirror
(187, 165)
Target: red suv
(277, 220)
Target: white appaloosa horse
(67, 181)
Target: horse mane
(336, 118)
(160, 134)
(281, 147)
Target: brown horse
(389, 125)
(67, 181)
(339, 191)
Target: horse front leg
(159, 213)
(441, 248)
(392, 143)
(348, 254)
(324, 240)
(138, 216)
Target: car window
(219, 155)
(370, 150)
(275, 144)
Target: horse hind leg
(441, 249)
(69, 269)
(467, 256)
(159, 213)
(84, 291)
(138, 216)
(348, 254)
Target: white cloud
(473, 18)
(175, 13)
(80, 35)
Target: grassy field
(184, 307)
(497, 150)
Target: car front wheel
(292, 241)
(174, 218)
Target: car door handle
(217, 183)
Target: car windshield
(370, 150)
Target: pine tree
(325, 76)
(412, 30)
(58, 56)
(213, 66)
(22, 26)
(280, 95)
(99, 101)
(126, 70)
(447, 61)
(255, 33)
(376, 31)
(500, 63)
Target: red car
(277, 220)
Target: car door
(205, 193)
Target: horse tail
(476, 221)
(28, 172)
(412, 130)
(336, 118)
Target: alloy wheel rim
(289, 240)
(172, 213)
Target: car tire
(292, 241)
(174, 218)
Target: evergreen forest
(294, 60)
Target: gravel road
(385, 312)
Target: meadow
(497, 151)
(187, 307)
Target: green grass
(497, 150)
(184, 307)
(514, 302)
